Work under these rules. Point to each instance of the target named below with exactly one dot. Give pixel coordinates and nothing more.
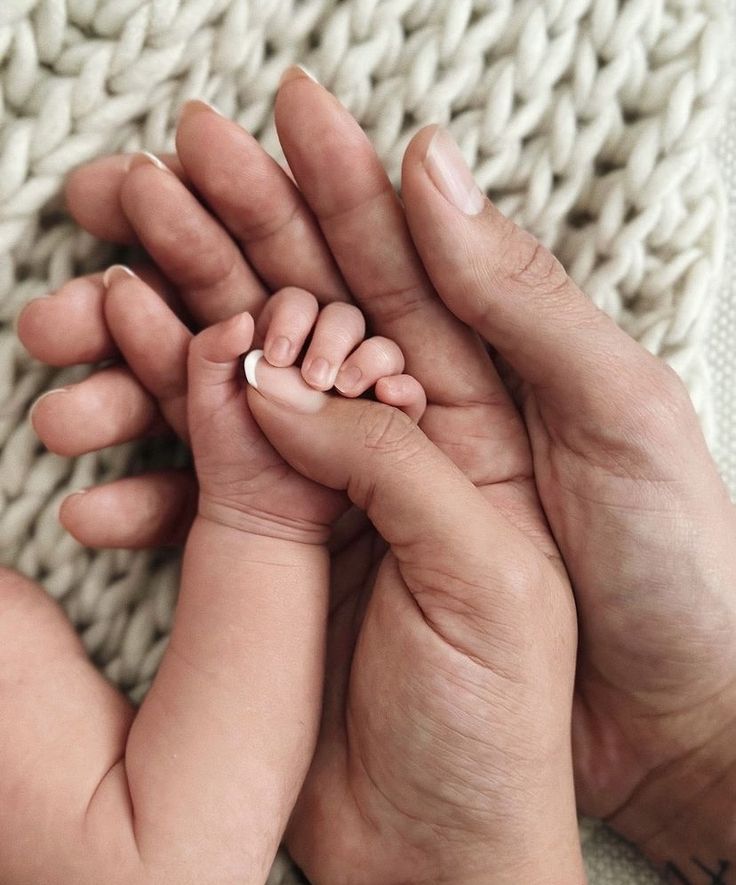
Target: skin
(109, 795)
(605, 450)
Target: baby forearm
(243, 674)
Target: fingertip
(47, 421)
(417, 148)
(403, 392)
(92, 195)
(69, 513)
(294, 73)
(146, 158)
(25, 323)
(68, 327)
(225, 341)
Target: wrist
(249, 520)
(683, 815)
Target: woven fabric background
(722, 334)
(589, 121)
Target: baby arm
(229, 726)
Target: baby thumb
(419, 501)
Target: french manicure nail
(279, 350)
(450, 174)
(249, 364)
(198, 104)
(116, 272)
(44, 396)
(296, 72)
(348, 379)
(144, 158)
(283, 386)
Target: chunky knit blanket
(588, 121)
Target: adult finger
(68, 327)
(152, 510)
(104, 410)
(93, 195)
(258, 203)
(153, 341)
(192, 249)
(348, 190)
(501, 281)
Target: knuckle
(532, 266)
(386, 352)
(386, 430)
(208, 262)
(340, 311)
(394, 305)
(667, 398)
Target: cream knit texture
(588, 121)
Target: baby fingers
(375, 358)
(214, 352)
(403, 392)
(285, 323)
(337, 354)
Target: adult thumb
(434, 518)
(505, 284)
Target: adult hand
(444, 754)
(627, 483)
(468, 400)
(639, 512)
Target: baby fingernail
(144, 158)
(115, 273)
(279, 350)
(450, 174)
(319, 373)
(348, 379)
(284, 386)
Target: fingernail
(284, 386)
(348, 379)
(44, 396)
(63, 501)
(144, 158)
(296, 72)
(114, 273)
(448, 170)
(198, 104)
(278, 350)
(319, 373)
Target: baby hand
(243, 481)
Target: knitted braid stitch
(588, 121)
